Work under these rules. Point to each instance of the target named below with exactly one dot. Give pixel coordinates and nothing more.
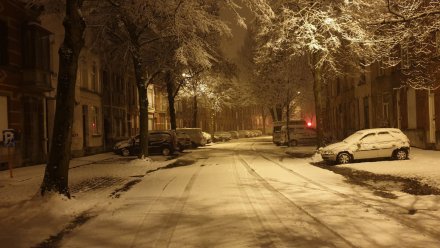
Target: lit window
(95, 120)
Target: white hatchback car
(368, 144)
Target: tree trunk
(143, 103)
(169, 80)
(263, 115)
(57, 169)
(287, 121)
(277, 113)
(317, 91)
(194, 123)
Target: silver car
(368, 144)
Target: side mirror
(359, 144)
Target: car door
(154, 142)
(135, 146)
(386, 144)
(367, 147)
(310, 136)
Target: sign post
(9, 142)
(11, 153)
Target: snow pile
(144, 161)
(52, 212)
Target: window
(369, 138)
(3, 43)
(366, 112)
(386, 110)
(36, 48)
(384, 137)
(94, 78)
(84, 75)
(95, 120)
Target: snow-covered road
(245, 193)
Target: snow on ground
(95, 182)
(27, 217)
(423, 165)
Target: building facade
(25, 78)
(378, 97)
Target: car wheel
(401, 154)
(181, 148)
(125, 152)
(293, 143)
(344, 158)
(166, 151)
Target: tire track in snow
(173, 219)
(407, 222)
(265, 239)
(322, 229)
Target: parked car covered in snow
(183, 141)
(208, 137)
(279, 131)
(196, 135)
(244, 133)
(368, 144)
(298, 135)
(222, 136)
(234, 134)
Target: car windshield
(354, 137)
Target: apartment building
(379, 97)
(25, 79)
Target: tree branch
(403, 19)
(394, 12)
(155, 39)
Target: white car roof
(380, 130)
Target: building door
(431, 106)
(32, 140)
(85, 118)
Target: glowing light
(309, 124)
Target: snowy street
(244, 193)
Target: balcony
(37, 79)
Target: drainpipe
(431, 117)
(399, 120)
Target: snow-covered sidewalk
(93, 181)
(423, 165)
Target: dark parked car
(159, 142)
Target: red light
(309, 124)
